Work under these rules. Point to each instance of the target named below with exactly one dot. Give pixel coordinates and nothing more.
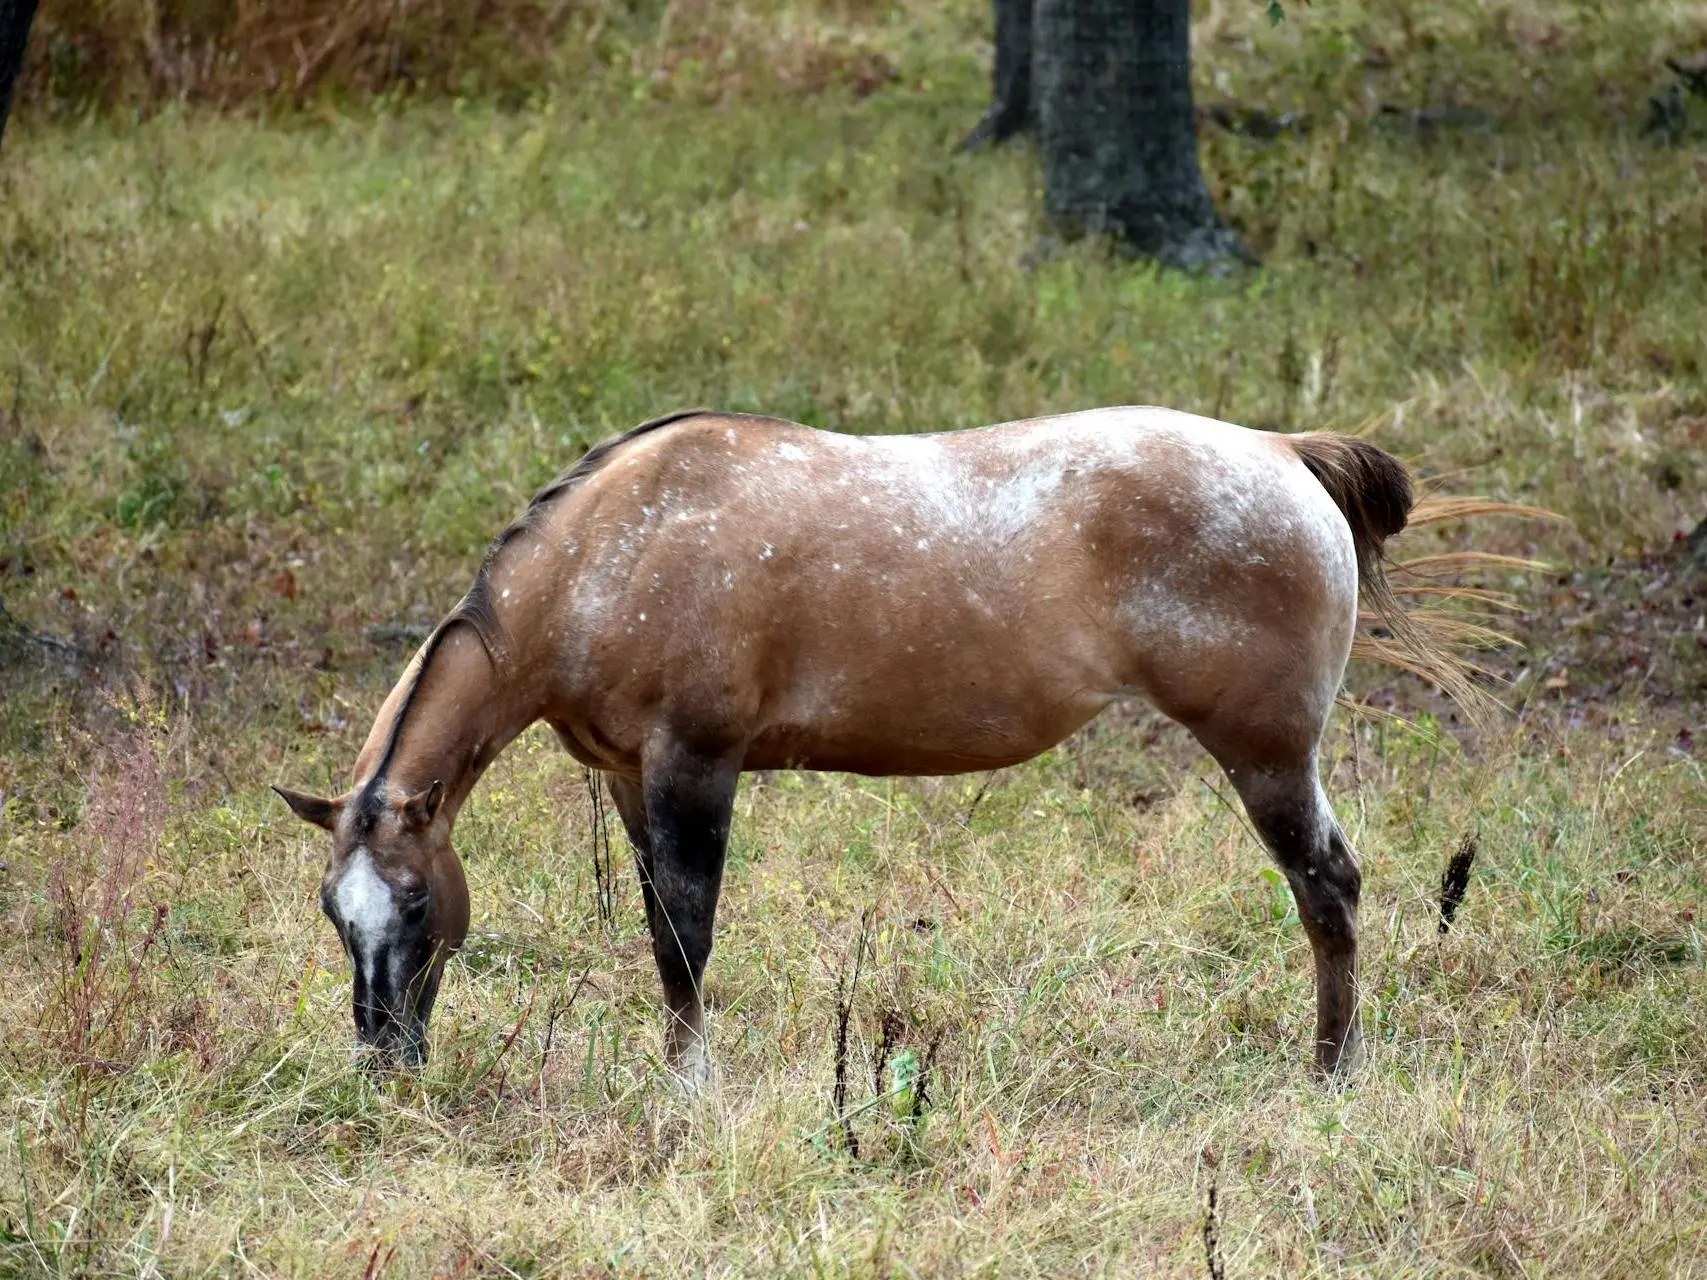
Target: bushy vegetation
(271, 377)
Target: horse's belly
(983, 703)
(903, 749)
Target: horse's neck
(445, 721)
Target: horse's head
(395, 892)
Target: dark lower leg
(688, 804)
(1327, 891)
(629, 797)
(1296, 824)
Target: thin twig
(509, 1043)
(978, 799)
(844, 1017)
(1237, 812)
(1211, 1239)
(551, 1030)
(604, 869)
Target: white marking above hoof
(692, 1072)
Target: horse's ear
(322, 813)
(420, 810)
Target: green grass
(269, 383)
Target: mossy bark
(1012, 100)
(1117, 132)
(15, 19)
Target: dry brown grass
(233, 52)
(270, 380)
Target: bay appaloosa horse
(712, 593)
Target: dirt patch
(1595, 640)
(1627, 629)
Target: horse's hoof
(1339, 1071)
(691, 1073)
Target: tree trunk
(15, 18)
(1011, 105)
(1117, 132)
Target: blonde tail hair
(1373, 490)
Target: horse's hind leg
(688, 803)
(1284, 798)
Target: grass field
(270, 379)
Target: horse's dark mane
(476, 608)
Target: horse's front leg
(630, 800)
(688, 800)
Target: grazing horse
(712, 593)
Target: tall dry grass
(234, 51)
(226, 53)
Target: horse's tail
(1373, 489)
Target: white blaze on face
(368, 910)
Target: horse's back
(942, 602)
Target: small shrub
(104, 933)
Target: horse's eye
(414, 905)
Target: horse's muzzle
(394, 1049)
(393, 1032)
